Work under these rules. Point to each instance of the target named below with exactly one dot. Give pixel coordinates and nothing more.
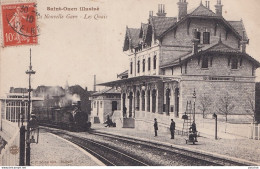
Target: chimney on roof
(94, 83)
(161, 10)
(150, 13)
(183, 7)
(219, 8)
(11, 90)
(243, 43)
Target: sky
(75, 50)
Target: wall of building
(145, 54)
(182, 38)
(257, 101)
(219, 67)
(176, 71)
(103, 107)
(173, 53)
(171, 86)
(238, 92)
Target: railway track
(209, 159)
(112, 155)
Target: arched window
(149, 63)
(154, 101)
(177, 93)
(131, 67)
(154, 62)
(167, 107)
(130, 97)
(124, 106)
(138, 101)
(143, 65)
(143, 100)
(148, 100)
(138, 66)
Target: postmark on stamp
(19, 24)
(14, 150)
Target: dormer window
(234, 63)
(206, 37)
(205, 62)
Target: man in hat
(155, 125)
(172, 128)
(33, 122)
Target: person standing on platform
(172, 129)
(155, 127)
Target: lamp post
(28, 148)
(194, 100)
(216, 125)
(22, 144)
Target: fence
(6, 157)
(254, 132)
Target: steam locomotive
(68, 117)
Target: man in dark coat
(172, 128)
(193, 127)
(155, 125)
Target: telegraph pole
(28, 148)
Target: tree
(250, 106)
(204, 104)
(225, 105)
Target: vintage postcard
(129, 83)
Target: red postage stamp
(19, 24)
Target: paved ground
(241, 148)
(54, 151)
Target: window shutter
(206, 38)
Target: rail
(180, 155)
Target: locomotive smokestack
(94, 83)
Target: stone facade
(103, 104)
(142, 58)
(201, 53)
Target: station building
(104, 103)
(174, 59)
(14, 105)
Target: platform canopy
(139, 79)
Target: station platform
(238, 148)
(55, 151)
